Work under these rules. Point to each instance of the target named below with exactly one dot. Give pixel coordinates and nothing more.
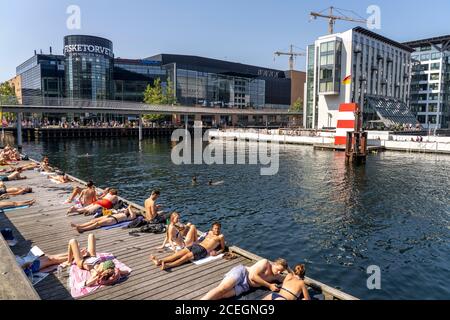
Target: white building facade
(380, 71)
(430, 86)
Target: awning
(391, 112)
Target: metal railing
(60, 105)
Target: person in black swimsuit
(294, 287)
(123, 215)
(198, 251)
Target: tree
(7, 95)
(158, 95)
(297, 106)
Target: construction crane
(291, 55)
(332, 18)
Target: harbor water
(393, 213)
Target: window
(435, 56)
(434, 86)
(432, 107)
(330, 70)
(432, 119)
(422, 119)
(434, 76)
(435, 66)
(425, 57)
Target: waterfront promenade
(383, 140)
(46, 226)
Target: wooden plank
(14, 285)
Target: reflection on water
(393, 212)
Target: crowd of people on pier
(105, 209)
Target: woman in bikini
(294, 287)
(102, 273)
(107, 202)
(179, 235)
(121, 216)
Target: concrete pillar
(19, 131)
(141, 137)
(234, 120)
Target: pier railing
(64, 105)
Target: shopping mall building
(88, 69)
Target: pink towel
(78, 277)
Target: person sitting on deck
(13, 191)
(197, 251)
(179, 235)
(151, 208)
(120, 216)
(106, 201)
(241, 279)
(294, 286)
(16, 204)
(13, 176)
(85, 196)
(102, 273)
(45, 166)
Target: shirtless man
(13, 176)
(120, 216)
(16, 204)
(241, 279)
(196, 252)
(151, 208)
(13, 191)
(63, 178)
(85, 197)
(294, 287)
(107, 202)
(45, 166)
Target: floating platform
(341, 148)
(46, 225)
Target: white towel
(207, 260)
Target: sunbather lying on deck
(47, 261)
(120, 216)
(62, 178)
(102, 273)
(13, 191)
(241, 279)
(85, 196)
(11, 169)
(106, 202)
(15, 204)
(294, 287)
(196, 252)
(179, 235)
(13, 176)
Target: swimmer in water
(194, 181)
(213, 184)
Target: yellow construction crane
(332, 18)
(291, 55)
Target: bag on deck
(156, 228)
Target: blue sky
(246, 31)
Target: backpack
(156, 228)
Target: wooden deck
(46, 225)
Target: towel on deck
(12, 209)
(78, 276)
(202, 261)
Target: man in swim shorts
(241, 279)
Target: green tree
(297, 106)
(156, 94)
(7, 96)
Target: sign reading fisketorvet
(87, 48)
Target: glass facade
(89, 63)
(430, 87)
(131, 78)
(206, 89)
(310, 105)
(330, 67)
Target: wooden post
(19, 131)
(140, 128)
